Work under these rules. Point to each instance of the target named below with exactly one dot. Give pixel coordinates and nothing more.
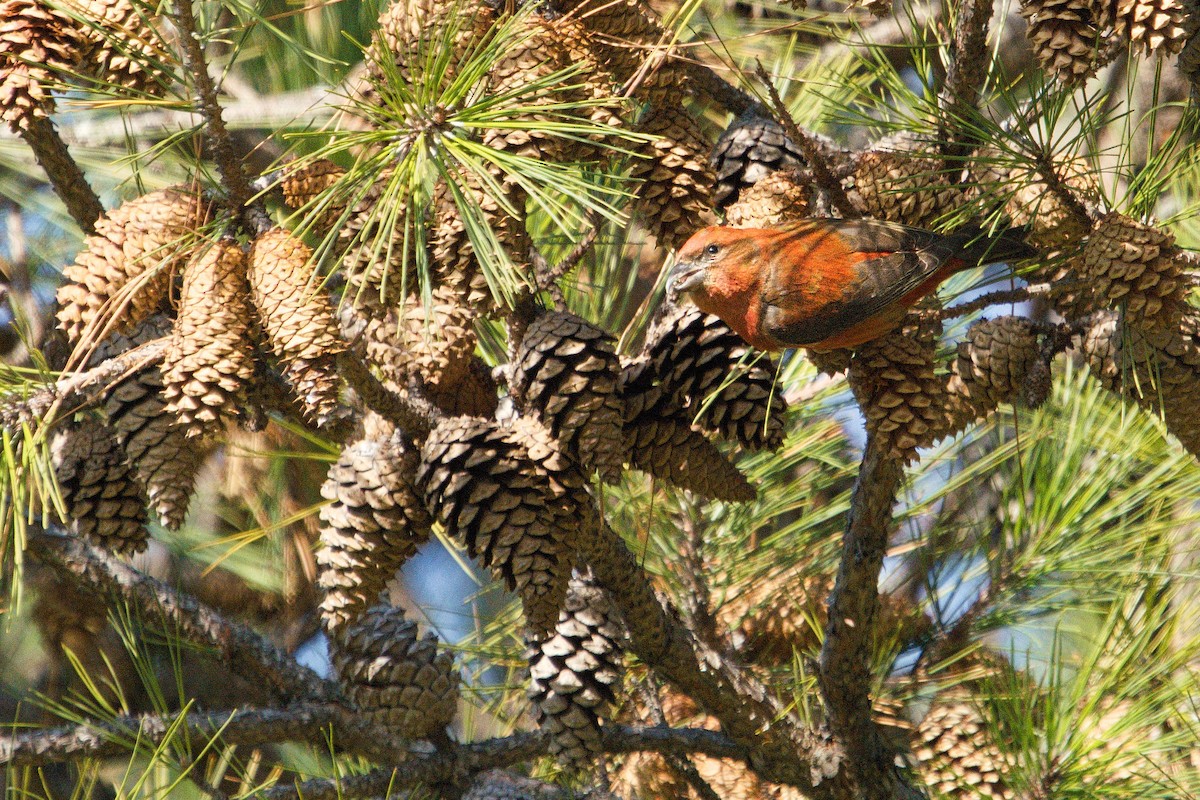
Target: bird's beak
(685, 277)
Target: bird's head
(715, 263)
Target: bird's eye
(712, 249)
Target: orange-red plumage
(825, 283)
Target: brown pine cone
(165, 459)
(211, 355)
(513, 500)
(996, 357)
(1065, 36)
(777, 199)
(573, 672)
(297, 318)
(1158, 26)
(305, 186)
(104, 501)
(896, 182)
(1159, 370)
(695, 367)
(775, 618)
(675, 192)
(130, 259)
(565, 373)
(893, 380)
(375, 522)
(673, 451)
(1136, 267)
(632, 44)
(456, 264)
(750, 149)
(954, 753)
(37, 45)
(409, 42)
(534, 55)
(122, 45)
(397, 678)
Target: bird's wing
(860, 270)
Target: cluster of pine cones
(100, 44)
(515, 489)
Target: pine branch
(233, 178)
(251, 727)
(81, 389)
(965, 76)
(822, 174)
(68, 180)
(455, 762)
(845, 669)
(783, 750)
(246, 652)
(414, 416)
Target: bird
(825, 284)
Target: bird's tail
(979, 247)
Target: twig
(246, 652)
(550, 275)
(1018, 295)
(68, 180)
(414, 416)
(845, 671)
(812, 151)
(118, 737)
(81, 388)
(967, 71)
(478, 757)
(233, 178)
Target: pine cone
(775, 618)
(297, 319)
(535, 55)
(513, 500)
(954, 753)
(305, 187)
(1159, 26)
(750, 149)
(1065, 36)
(131, 258)
(103, 500)
(630, 41)
(394, 676)
(375, 523)
(565, 372)
(211, 355)
(123, 48)
(37, 43)
(996, 357)
(675, 191)
(693, 369)
(902, 185)
(165, 459)
(1159, 370)
(411, 35)
(893, 380)
(1135, 266)
(457, 265)
(672, 450)
(572, 673)
(380, 257)
(777, 199)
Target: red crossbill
(826, 283)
